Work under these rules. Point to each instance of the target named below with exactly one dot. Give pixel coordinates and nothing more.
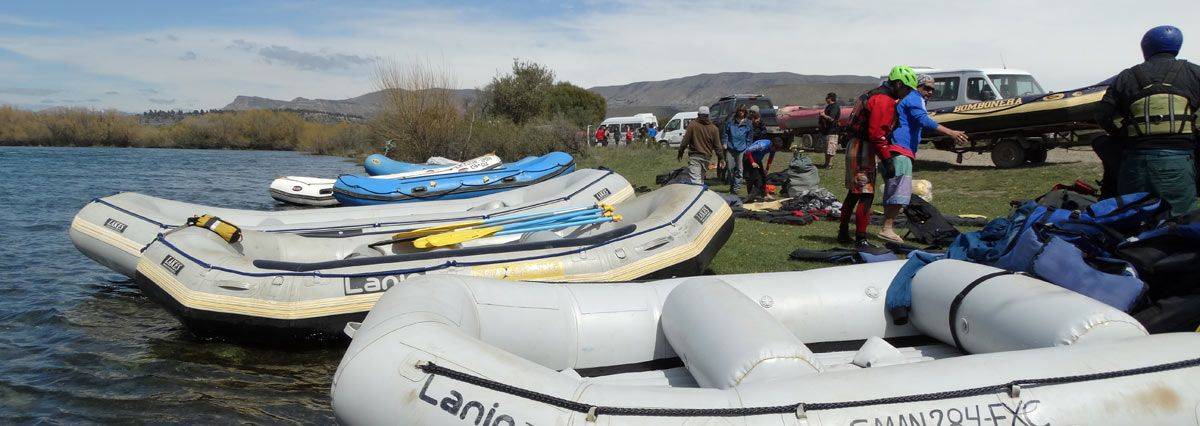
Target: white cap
(702, 111)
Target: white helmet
(703, 110)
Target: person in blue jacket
(912, 120)
(737, 135)
(756, 161)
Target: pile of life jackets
(1123, 251)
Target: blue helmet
(1163, 38)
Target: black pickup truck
(722, 112)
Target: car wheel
(1008, 153)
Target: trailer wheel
(806, 142)
(1008, 153)
(1036, 155)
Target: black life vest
(1159, 107)
(860, 116)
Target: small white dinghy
(983, 347)
(304, 191)
(311, 191)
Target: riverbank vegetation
(256, 129)
(518, 114)
(521, 113)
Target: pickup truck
(722, 111)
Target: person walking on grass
(871, 121)
(737, 135)
(652, 133)
(827, 123)
(898, 153)
(702, 141)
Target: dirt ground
(1059, 155)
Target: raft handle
(351, 328)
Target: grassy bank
(763, 247)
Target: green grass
(764, 247)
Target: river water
(79, 343)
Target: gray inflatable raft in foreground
(282, 286)
(813, 347)
(113, 230)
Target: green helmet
(905, 74)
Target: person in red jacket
(871, 123)
(601, 135)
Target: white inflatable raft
(311, 191)
(285, 287)
(813, 348)
(304, 191)
(113, 230)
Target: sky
(139, 55)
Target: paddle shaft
(471, 224)
(555, 226)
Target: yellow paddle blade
(455, 237)
(435, 229)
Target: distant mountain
(686, 93)
(663, 97)
(362, 106)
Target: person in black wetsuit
(1149, 111)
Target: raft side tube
(726, 340)
(996, 311)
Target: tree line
(525, 112)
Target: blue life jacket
(1024, 250)
(1063, 264)
(1130, 213)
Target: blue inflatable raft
(378, 164)
(353, 190)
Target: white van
(617, 126)
(964, 86)
(672, 133)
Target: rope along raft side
(1012, 389)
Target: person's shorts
(897, 175)
(831, 144)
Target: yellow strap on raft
(227, 231)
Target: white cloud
(1066, 44)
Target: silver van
(964, 86)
